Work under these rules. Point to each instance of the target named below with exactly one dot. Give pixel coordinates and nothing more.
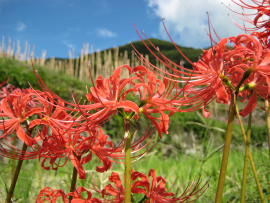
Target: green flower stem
(245, 76)
(226, 150)
(250, 158)
(13, 160)
(16, 175)
(266, 106)
(244, 178)
(227, 81)
(39, 175)
(127, 124)
(74, 179)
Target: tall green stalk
(74, 179)
(266, 107)
(127, 124)
(16, 175)
(39, 175)
(226, 150)
(244, 178)
(250, 158)
(13, 160)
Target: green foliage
(182, 168)
(166, 48)
(20, 74)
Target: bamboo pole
(86, 52)
(9, 47)
(132, 58)
(81, 66)
(25, 52)
(110, 68)
(116, 56)
(3, 47)
(92, 62)
(98, 59)
(76, 67)
(43, 57)
(17, 56)
(28, 54)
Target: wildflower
(78, 149)
(49, 195)
(154, 191)
(202, 84)
(17, 108)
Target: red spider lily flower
(250, 56)
(154, 191)
(156, 98)
(203, 84)
(8, 89)
(55, 117)
(79, 149)
(248, 61)
(49, 195)
(16, 108)
(118, 192)
(77, 197)
(106, 94)
(260, 16)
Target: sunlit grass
(179, 169)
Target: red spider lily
(156, 98)
(49, 195)
(8, 89)
(106, 94)
(79, 149)
(203, 84)
(16, 109)
(261, 14)
(154, 191)
(248, 56)
(77, 197)
(259, 19)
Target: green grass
(192, 149)
(21, 73)
(177, 170)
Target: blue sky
(62, 25)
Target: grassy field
(177, 169)
(192, 149)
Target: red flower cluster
(153, 191)
(243, 69)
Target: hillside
(166, 47)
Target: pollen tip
(143, 32)
(162, 19)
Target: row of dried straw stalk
(101, 63)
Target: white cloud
(69, 45)
(20, 27)
(103, 32)
(186, 21)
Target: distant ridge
(166, 48)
